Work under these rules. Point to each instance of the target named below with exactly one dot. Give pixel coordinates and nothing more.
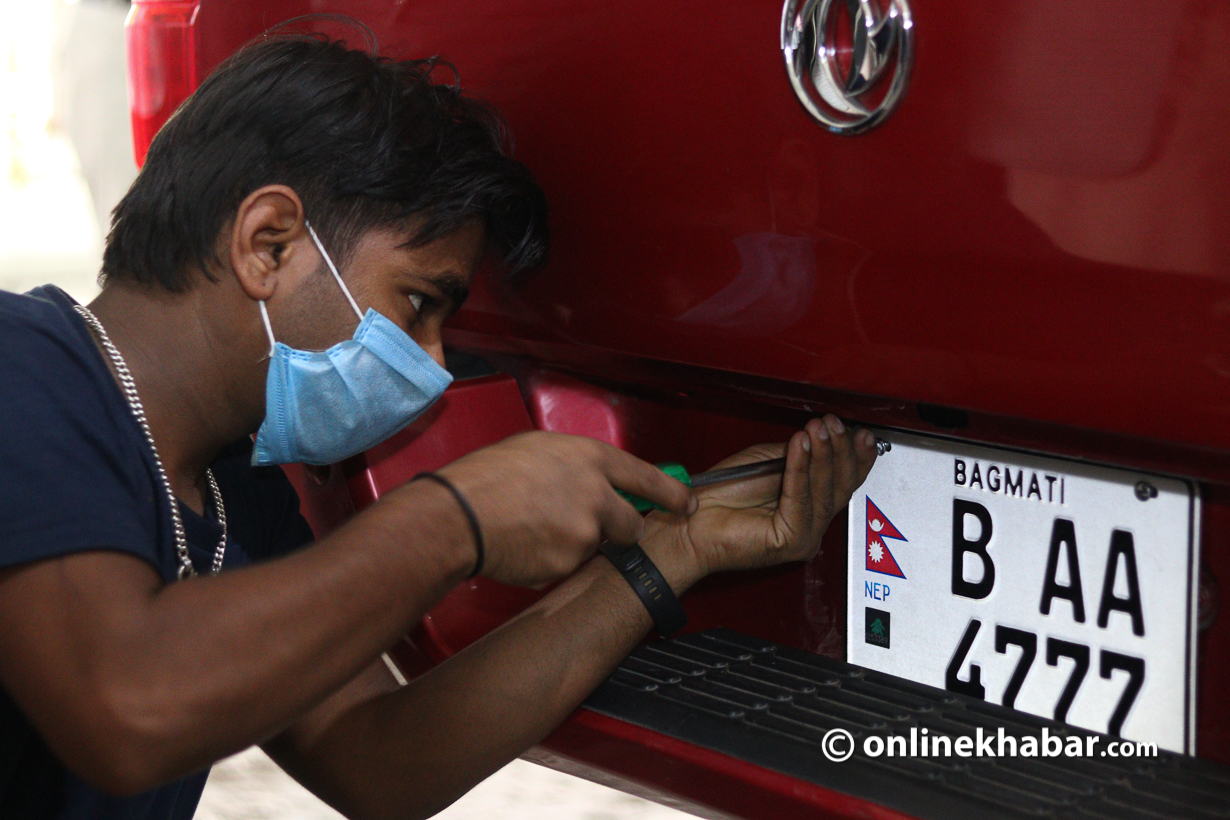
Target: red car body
(1032, 251)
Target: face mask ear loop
(268, 330)
(333, 269)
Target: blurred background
(65, 161)
(66, 153)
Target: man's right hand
(545, 501)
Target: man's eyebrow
(451, 285)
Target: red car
(996, 232)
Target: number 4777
(1005, 636)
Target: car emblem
(848, 60)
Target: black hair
(364, 141)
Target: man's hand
(771, 519)
(545, 501)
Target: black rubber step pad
(772, 706)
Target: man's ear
(266, 240)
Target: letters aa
(1063, 540)
(1122, 554)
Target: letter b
(961, 546)
(1052, 745)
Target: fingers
(630, 474)
(821, 468)
(795, 508)
(854, 452)
(865, 454)
(845, 470)
(619, 520)
(839, 460)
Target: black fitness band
(657, 595)
(470, 516)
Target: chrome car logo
(848, 60)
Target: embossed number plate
(1059, 588)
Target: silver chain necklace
(186, 570)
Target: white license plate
(1038, 583)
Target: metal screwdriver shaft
(756, 468)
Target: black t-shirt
(77, 474)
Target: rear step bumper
(771, 706)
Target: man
(159, 605)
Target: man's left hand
(771, 519)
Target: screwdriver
(677, 471)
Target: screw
(1145, 490)
(883, 446)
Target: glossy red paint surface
(700, 776)
(1038, 236)
(162, 65)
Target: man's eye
(416, 299)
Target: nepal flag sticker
(879, 559)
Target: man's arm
(133, 683)
(411, 752)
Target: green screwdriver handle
(676, 471)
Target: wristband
(657, 595)
(470, 516)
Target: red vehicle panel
(1033, 251)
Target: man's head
(370, 151)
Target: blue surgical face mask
(324, 406)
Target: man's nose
(427, 337)
(435, 349)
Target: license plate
(1055, 587)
